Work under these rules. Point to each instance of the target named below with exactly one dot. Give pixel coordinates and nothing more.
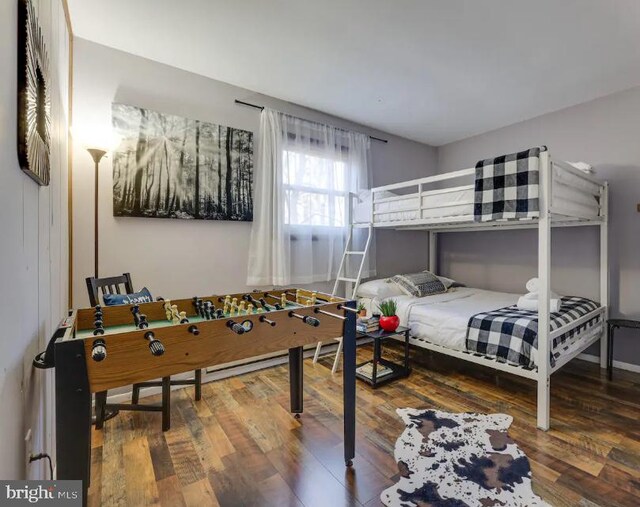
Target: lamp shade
(95, 137)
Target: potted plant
(362, 311)
(389, 321)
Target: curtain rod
(255, 106)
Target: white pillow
(447, 282)
(380, 289)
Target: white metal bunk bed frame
(552, 214)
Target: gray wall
(180, 258)
(33, 252)
(605, 133)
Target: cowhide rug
(459, 460)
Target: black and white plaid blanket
(510, 334)
(507, 187)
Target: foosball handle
(235, 327)
(193, 329)
(312, 321)
(155, 345)
(98, 350)
(262, 318)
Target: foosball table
(101, 348)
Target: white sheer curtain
(304, 173)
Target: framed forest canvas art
(167, 166)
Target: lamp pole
(97, 155)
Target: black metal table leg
(610, 330)
(349, 384)
(198, 382)
(73, 414)
(166, 403)
(296, 380)
(406, 350)
(377, 353)
(101, 401)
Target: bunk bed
(566, 197)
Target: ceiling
(430, 70)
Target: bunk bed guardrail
(427, 203)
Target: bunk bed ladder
(342, 270)
(351, 284)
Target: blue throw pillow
(143, 296)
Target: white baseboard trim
(224, 372)
(616, 364)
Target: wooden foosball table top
(194, 341)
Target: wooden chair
(112, 285)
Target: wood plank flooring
(240, 446)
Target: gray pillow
(419, 284)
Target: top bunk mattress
(458, 202)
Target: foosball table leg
(198, 383)
(135, 394)
(101, 401)
(166, 403)
(349, 384)
(73, 414)
(296, 380)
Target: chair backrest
(109, 285)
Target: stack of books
(367, 324)
(366, 370)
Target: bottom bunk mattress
(455, 320)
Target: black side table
(613, 324)
(397, 370)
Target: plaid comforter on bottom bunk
(510, 334)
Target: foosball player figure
(167, 308)
(175, 316)
(209, 310)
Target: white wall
(605, 133)
(183, 258)
(33, 251)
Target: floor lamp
(97, 155)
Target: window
(315, 190)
